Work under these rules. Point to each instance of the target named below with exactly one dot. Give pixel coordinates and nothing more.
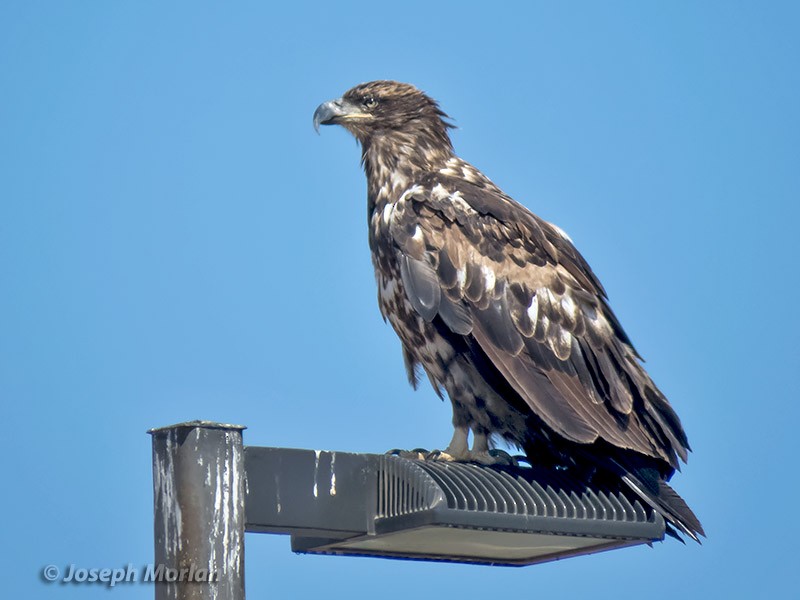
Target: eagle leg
(483, 453)
(458, 449)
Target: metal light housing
(378, 505)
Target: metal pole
(198, 494)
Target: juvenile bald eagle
(501, 311)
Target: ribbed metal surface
(406, 486)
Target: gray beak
(339, 112)
(328, 112)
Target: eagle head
(384, 108)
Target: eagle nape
(502, 313)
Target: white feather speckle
(489, 277)
(568, 305)
(387, 213)
(461, 277)
(439, 192)
(544, 320)
(551, 297)
(461, 204)
(533, 309)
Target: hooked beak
(337, 111)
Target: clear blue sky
(176, 243)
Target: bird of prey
(501, 312)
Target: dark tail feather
(669, 504)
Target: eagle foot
(415, 454)
(490, 457)
(442, 455)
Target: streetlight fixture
(209, 489)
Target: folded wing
(516, 285)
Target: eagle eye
(370, 102)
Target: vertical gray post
(198, 497)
